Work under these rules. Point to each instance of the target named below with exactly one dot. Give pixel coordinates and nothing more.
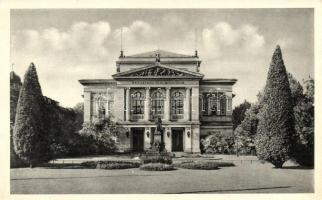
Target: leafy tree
(218, 143)
(104, 133)
(239, 113)
(304, 126)
(30, 140)
(79, 115)
(276, 119)
(15, 85)
(245, 132)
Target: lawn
(246, 177)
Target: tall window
(177, 103)
(99, 103)
(137, 103)
(157, 108)
(223, 105)
(216, 104)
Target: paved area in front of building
(246, 177)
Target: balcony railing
(136, 117)
(176, 117)
(155, 116)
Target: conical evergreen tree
(30, 141)
(276, 120)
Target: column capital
(147, 88)
(188, 88)
(167, 88)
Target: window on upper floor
(157, 107)
(213, 104)
(177, 99)
(137, 103)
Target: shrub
(110, 164)
(218, 143)
(89, 164)
(117, 165)
(104, 133)
(166, 159)
(225, 164)
(276, 120)
(198, 165)
(157, 167)
(31, 141)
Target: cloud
(138, 36)
(222, 37)
(82, 42)
(89, 50)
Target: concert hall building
(166, 85)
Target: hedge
(157, 167)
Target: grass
(244, 178)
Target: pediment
(158, 71)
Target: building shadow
(232, 190)
(297, 167)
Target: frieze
(158, 71)
(158, 83)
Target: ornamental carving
(158, 71)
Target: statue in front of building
(158, 144)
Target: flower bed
(109, 164)
(162, 158)
(198, 165)
(157, 167)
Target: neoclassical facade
(166, 85)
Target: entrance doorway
(138, 140)
(177, 139)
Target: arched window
(177, 105)
(137, 103)
(157, 107)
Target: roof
(96, 81)
(211, 81)
(162, 53)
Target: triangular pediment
(158, 71)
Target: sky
(71, 44)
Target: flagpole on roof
(121, 42)
(196, 43)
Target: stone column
(187, 140)
(195, 138)
(187, 105)
(107, 111)
(147, 138)
(127, 101)
(195, 104)
(87, 106)
(167, 105)
(119, 107)
(147, 104)
(229, 97)
(167, 138)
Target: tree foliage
(218, 143)
(31, 142)
(15, 85)
(239, 113)
(304, 126)
(104, 134)
(276, 119)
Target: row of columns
(147, 104)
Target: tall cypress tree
(276, 120)
(30, 141)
